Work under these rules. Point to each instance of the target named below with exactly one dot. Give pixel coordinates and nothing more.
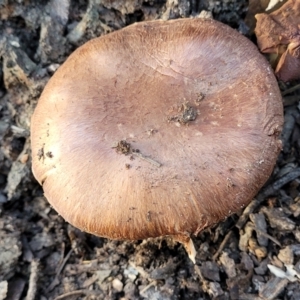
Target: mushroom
(163, 128)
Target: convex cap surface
(161, 128)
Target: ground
(252, 255)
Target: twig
(273, 188)
(268, 191)
(62, 255)
(124, 147)
(153, 283)
(290, 100)
(290, 90)
(55, 280)
(146, 158)
(199, 273)
(64, 262)
(290, 117)
(203, 281)
(246, 213)
(267, 236)
(222, 245)
(34, 268)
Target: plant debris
(124, 147)
(187, 113)
(279, 33)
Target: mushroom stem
(188, 244)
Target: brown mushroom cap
(197, 108)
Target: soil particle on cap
(40, 153)
(187, 114)
(149, 216)
(132, 208)
(199, 98)
(151, 132)
(123, 147)
(49, 154)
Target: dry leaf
(291, 274)
(279, 33)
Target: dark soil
(253, 255)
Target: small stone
(117, 285)
(286, 255)
(3, 290)
(228, 265)
(52, 68)
(215, 289)
(247, 261)
(3, 199)
(210, 270)
(131, 273)
(24, 158)
(262, 268)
